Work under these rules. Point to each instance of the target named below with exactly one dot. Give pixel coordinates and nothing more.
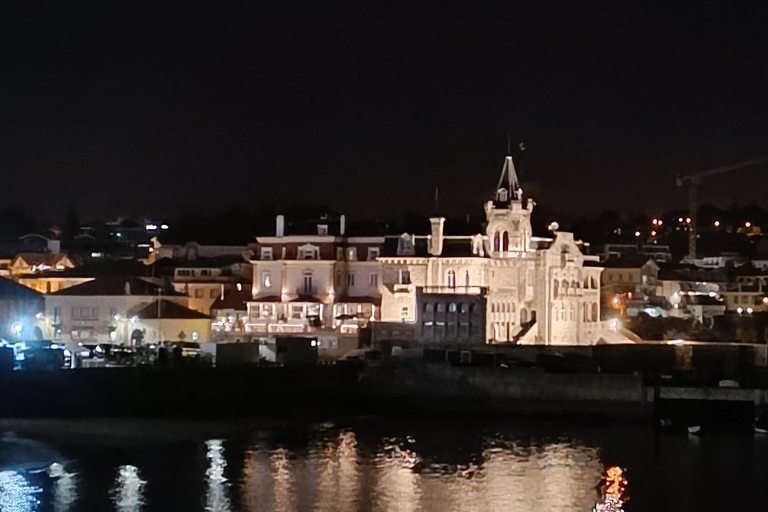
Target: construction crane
(694, 181)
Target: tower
(508, 216)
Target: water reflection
(64, 487)
(218, 488)
(128, 493)
(411, 473)
(396, 465)
(17, 494)
(614, 489)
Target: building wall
(170, 329)
(92, 318)
(51, 284)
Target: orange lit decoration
(614, 491)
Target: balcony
(305, 292)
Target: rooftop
(112, 286)
(169, 310)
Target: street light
(17, 328)
(717, 223)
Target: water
(371, 464)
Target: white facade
(536, 290)
(314, 283)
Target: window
(427, 307)
(463, 307)
(307, 282)
(466, 279)
(340, 254)
(555, 289)
(308, 252)
(57, 315)
(351, 253)
(373, 253)
(450, 279)
(405, 277)
(184, 272)
(199, 293)
(205, 272)
(266, 253)
(266, 280)
(440, 307)
(373, 280)
(214, 293)
(322, 229)
(404, 313)
(452, 307)
(297, 311)
(351, 279)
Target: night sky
(157, 108)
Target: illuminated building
(532, 290)
(315, 279)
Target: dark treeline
(239, 226)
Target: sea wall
(502, 390)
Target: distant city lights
(637, 234)
(716, 223)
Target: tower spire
(508, 189)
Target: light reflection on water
(505, 476)
(375, 467)
(128, 493)
(17, 494)
(218, 488)
(64, 487)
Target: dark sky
(161, 107)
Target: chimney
(342, 225)
(436, 242)
(280, 226)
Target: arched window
(594, 312)
(592, 282)
(496, 242)
(555, 289)
(575, 285)
(586, 282)
(466, 279)
(450, 279)
(565, 288)
(523, 316)
(571, 314)
(505, 241)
